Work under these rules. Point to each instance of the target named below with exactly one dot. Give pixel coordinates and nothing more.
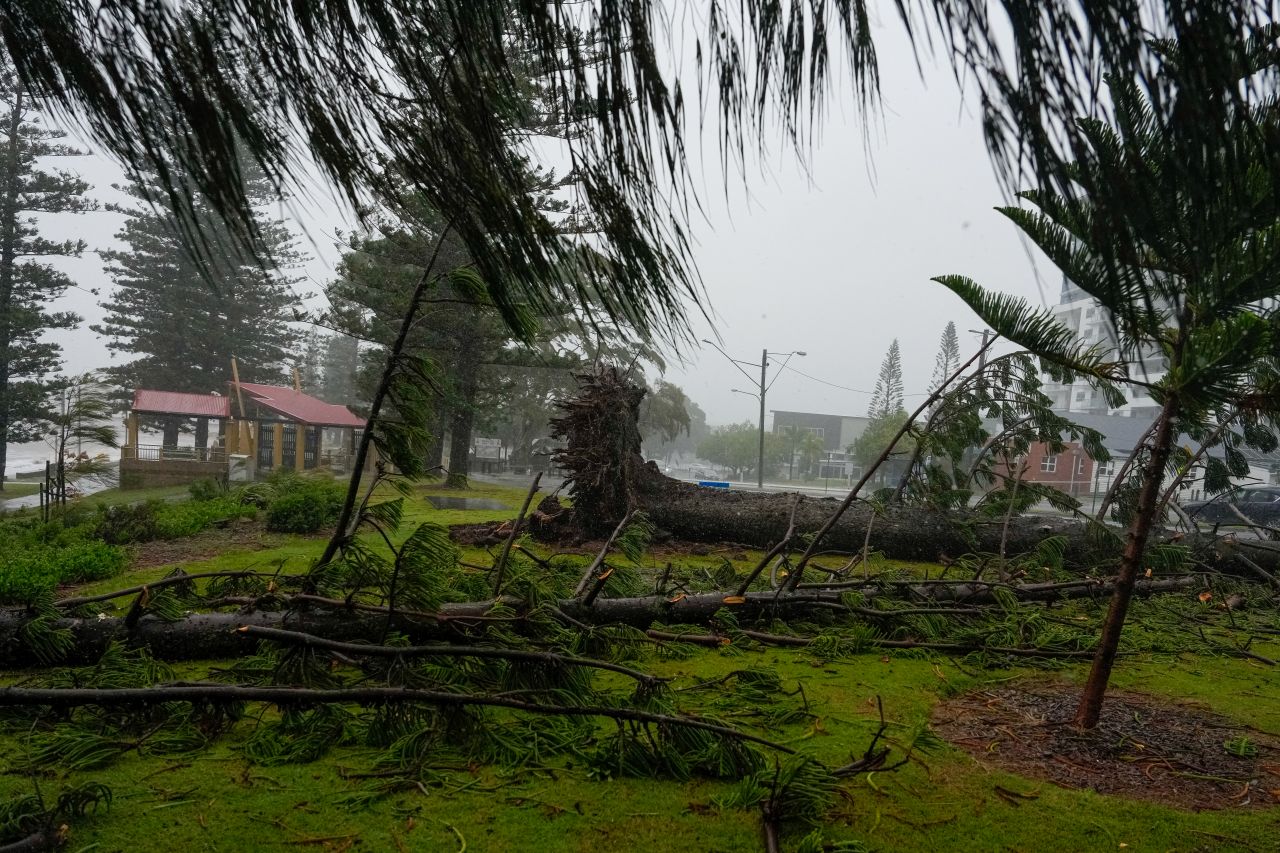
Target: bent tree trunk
(609, 479)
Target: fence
(160, 453)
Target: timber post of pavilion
(272, 428)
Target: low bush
(31, 573)
(125, 523)
(207, 489)
(174, 521)
(307, 507)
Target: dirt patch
(1145, 747)
(489, 533)
(240, 535)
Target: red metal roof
(180, 403)
(297, 406)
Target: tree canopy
(29, 283)
(436, 86)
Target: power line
(843, 387)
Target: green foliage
(30, 359)
(207, 489)
(236, 306)
(37, 569)
(737, 447)
(1240, 747)
(307, 507)
(794, 788)
(26, 815)
(124, 524)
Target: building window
(1106, 469)
(1080, 467)
(818, 431)
(1079, 395)
(1049, 463)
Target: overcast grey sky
(835, 262)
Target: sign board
(487, 448)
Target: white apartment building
(1091, 325)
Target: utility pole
(764, 367)
(761, 389)
(986, 336)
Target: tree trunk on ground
(214, 635)
(609, 479)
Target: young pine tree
(184, 324)
(29, 284)
(887, 399)
(1173, 230)
(948, 357)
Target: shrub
(37, 570)
(176, 520)
(89, 561)
(125, 523)
(207, 489)
(306, 508)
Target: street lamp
(763, 386)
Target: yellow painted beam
(277, 448)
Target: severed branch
(717, 640)
(205, 693)
(867, 474)
(501, 565)
(172, 580)
(777, 549)
(593, 572)
(298, 638)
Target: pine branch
(298, 638)
(204, 693)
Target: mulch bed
(1145, 747)
(239, 535)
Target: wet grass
(216, 800)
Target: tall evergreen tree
(341, 363)
(28, 283)
(184, 323)
(310, 364)
(948, 357)
(887, 398)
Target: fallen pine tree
(608, 480)
(218, 635)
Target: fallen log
(217, 635)
(608, 479)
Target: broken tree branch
(500, 566)
(204, 693)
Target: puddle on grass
(445, 502)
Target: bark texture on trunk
(1144, 520)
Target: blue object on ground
(712, 484)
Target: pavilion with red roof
(258, 428)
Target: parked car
(1260, 504)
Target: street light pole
(759, 393)
(764, 367)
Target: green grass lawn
(18, 489)
(216, 799)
